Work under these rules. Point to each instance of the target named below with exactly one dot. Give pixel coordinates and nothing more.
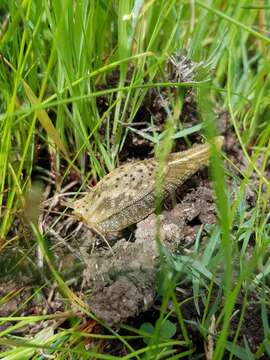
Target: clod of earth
(122, 282)
(127, 194)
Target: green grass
(58, 59)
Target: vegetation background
(74, 76)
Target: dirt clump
(122, 278)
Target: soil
(119, 282)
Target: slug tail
(184, 164)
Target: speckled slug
(127, 194)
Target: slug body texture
(127, 194)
